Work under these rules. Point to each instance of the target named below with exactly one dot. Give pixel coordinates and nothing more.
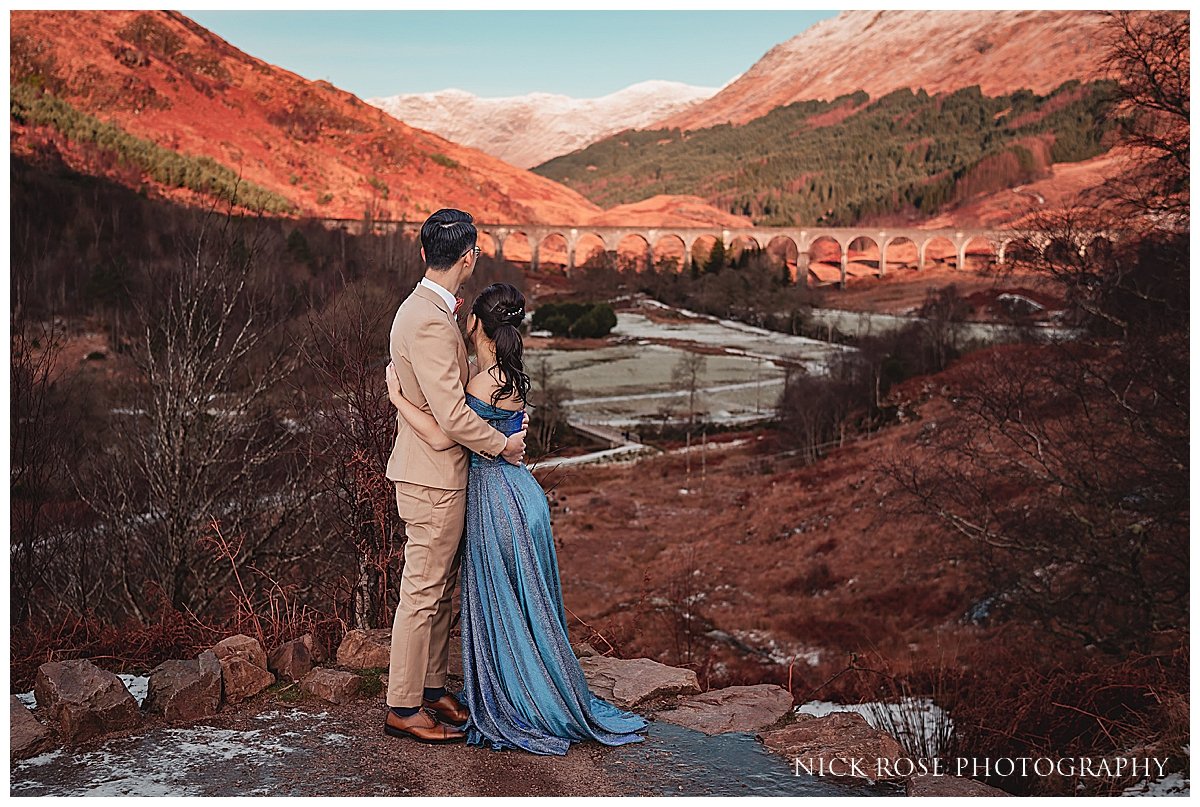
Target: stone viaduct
(802, 239)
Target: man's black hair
(446, 236)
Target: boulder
(29, 737)
(365, 649)
(929, 785)
(242, 645)
(293, 660)
(629, 682)
(834, 742)
(335, 686)
(185, 690)
(86, 700)
(737, 708)
(243, 667)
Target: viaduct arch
(1001, 241)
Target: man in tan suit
(430, 358)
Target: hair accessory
(509, 314)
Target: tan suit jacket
(431, 360)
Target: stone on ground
(929, 785)
(293, 660)
(736, 708)
(365, 649)
(243, 667)
(85, 700)
(372, 650)
(629, 682)
(185, 690)
(29, 737)
(832, 741)
(335, 686)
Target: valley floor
(745, 562)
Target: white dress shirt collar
(441, 292)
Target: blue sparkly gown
(522, 682)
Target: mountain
(527, 130)
(160, 103)
(881, 51)
(899, 158)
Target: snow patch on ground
(174, 763)
(1173, 784)
(138, 686)
(932, 720)
(192, 760)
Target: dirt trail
(306, 749)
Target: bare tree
(43, 431)
(198, 438)
(352, 429)
(1061, 472)
(687, 373)
(942, 315)
(1061, 476)
(548, 399)
(1150, 54)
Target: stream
(675, 761)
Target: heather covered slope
(938, 51)
(152, 88)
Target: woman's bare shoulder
(484, 388)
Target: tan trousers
(434, 521)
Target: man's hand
(514, 449)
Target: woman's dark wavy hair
(500, 309)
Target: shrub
(596, 322)
(579, 320)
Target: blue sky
(494, 53)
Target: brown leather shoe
(422, 728)
(448, 709)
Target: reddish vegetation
(668, 211)
(162, 77)
(809, 556)
(904, 291)
(1014, 207)
(881, 51)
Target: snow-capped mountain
(527, 130)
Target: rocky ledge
(78, 701)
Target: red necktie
(458, 301)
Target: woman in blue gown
(522, 683)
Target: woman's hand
(393, 385)
(419, 421)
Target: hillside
(904, 156)
(178, 107)
(526, 130)
(882, 51)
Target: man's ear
(422, 254)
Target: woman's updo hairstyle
(500, 309)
